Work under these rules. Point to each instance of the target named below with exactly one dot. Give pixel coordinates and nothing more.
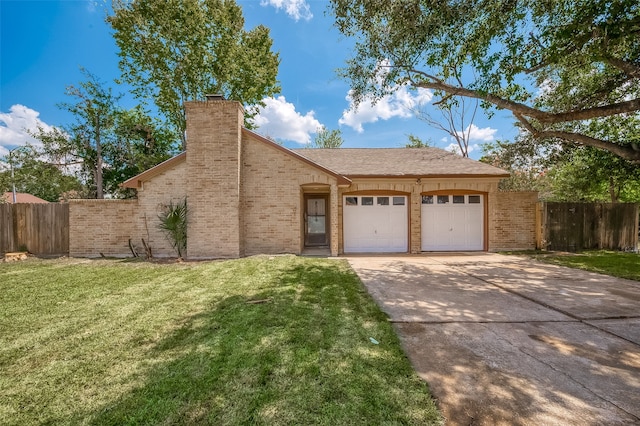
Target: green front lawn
(615, 263)
(263, 340)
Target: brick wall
(513, 221)
(272, 198)
(213, 178)
(102, 227)
(245, 196)
(155, 194)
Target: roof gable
(136, 181)
(342, 180)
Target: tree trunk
(612, 190)
(99, 184)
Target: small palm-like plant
(173, 221)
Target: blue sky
(44, 43)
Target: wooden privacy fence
(41, 229)
(578, 226)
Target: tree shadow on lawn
(295, 351)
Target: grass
(263, 340)
(614, 263)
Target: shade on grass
(263, 340)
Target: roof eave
(427, 176)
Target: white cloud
(486, 134)
(453, 147)
(14, 126)
(399, 104)
(280, 120)
(296, 9)
(92, 6)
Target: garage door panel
(375, 228)
(452, 223)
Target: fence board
(578, 226)
(42, 229)
(7, 243)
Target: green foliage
(94, 110)
(173, 221)
(587, 174)
(564, 173)
(140, 142)
(327, 138)
(179, 50)
(106, 144)
(559, 66)
(416, 142)
(524, 160)
(37, 177)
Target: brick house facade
(248, 195)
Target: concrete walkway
(506, 340)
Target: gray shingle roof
(409, 162)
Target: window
(474, 199)
(458, 199)
(443, 199)
(383, 201)
(427, 199)
(398, 201)
(351, 201)
(367, 201)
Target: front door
(316, 220)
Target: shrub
(173, 221)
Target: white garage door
(375, 224)
(452, 222)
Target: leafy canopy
(325, 138)
(415, 142)
(579, 173)
(105, 144)
(36, 177)
(94, 111)
(172, 51)
(560, 66)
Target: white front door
(452, 222)
(377, 223)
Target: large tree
(575, 173)
(564, 68)
(173, 51)
(105, 144)
(33, 175)
(139, 143)
(94, 108)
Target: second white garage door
(452, 222)
(375, 224)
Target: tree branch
(627, 152)
(629, 68)
(525, 110)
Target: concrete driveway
(506, 340)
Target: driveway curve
(508, 340)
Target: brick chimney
(214, 145)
